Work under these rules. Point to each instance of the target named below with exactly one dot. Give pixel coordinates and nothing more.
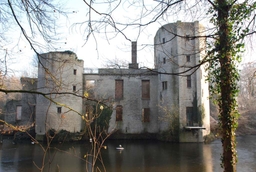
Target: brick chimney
(134, 64)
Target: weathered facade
(172, 98)
(60, 79)
(21, 111)
(179, 48)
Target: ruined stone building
(21, 110)
(173, 94)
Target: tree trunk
(227, 99)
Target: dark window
(145, 89)
(164, 85)
(189, 81)
(187, 37)
(163, 40)
(188, 58)
(192, 119)
(119, 89)
(74, 88)
(74, 71)
(164, 60)
(119, 113)
(145, 115)
(59, 109)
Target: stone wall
(60, 77)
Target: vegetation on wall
(171, 115)
(103, 119)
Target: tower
(183, 90)
(60, 78)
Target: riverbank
(246, 123)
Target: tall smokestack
(134, 64)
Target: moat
(137, 156)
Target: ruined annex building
(144, 101)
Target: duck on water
(120, 147)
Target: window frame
(119, 89)
(145, 89)
(164, 85)
(74, 88)
(146, 115)
(188, 58)
(189, 81)
(89, 87)
(59, 110)
(191, 117)
(119, 113)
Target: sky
(101, 48)
(105, 45)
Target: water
(137, 156)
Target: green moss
(172, 133)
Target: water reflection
(138, 156)
(158, 156)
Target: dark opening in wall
(59, 109)
(164, 85)
(145, 115)
(119, 113)
(189, 81)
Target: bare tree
(247, 88)
(231, 22)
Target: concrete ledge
(194, 128)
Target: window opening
(188, 58)
(18, 112)
(119, 113)
(89, 88)
(119, 86)
(145, 115)
(163, 40)
(164, 85)
(187, 37)
(192, 119)
(189, 81)
(59, 109)
(145, 89)
(74, 88)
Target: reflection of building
(144, 101)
